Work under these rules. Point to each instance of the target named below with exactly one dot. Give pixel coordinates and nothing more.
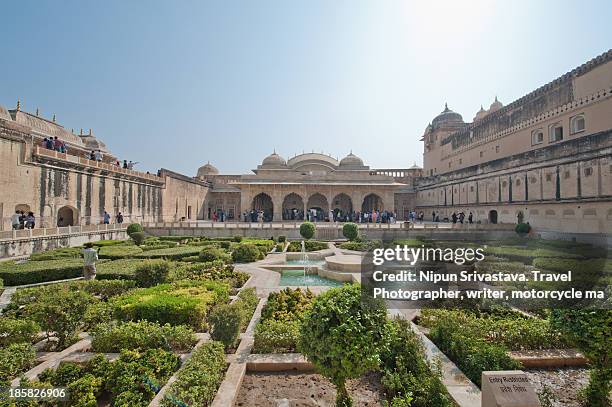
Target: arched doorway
(67, 216)
(293, 207)
(318, 207)
(263, 202)
(493, 216)
(371, 203)
(342, 206)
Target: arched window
(555, 133)
(537, 137)
(577, 124)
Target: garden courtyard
(197, 321)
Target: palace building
(545, 158)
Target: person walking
(470, 218)
(119, 218)
(15, 220)
(90, 256)
(106, 218)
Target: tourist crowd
(21, 220)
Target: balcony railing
(59, 231)
(56, 155)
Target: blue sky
(175, 84)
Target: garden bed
(305, 389)
(560, 386)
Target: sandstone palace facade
(546, 157)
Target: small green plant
(246, 253)
(138, 238)
(350, 231)
(343, 335)
(17, 331)
(226, 321)
(282, 239)
(307, 230)
(142, 335)
(273, 336)
(522, 228)
(15, 359)
(134, 228)
(152, 272)
(213, 253)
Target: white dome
(207, 169)
(351, 160)
(273, 160)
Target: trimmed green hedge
(116, 252)
(123, 269)
(361, 246)
(309, 246)
(142, 335)
(63, 253)
(172, 253)
(31, 272)
(14, 360)
(528, 254)
(198, 380)
(179, 303)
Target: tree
(307, 230)
(343, 336)
(589, 330)
(350, 231)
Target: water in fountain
(305, 261)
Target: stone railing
(58, 231)
(73, 159)
(206, 224)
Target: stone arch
(372, 202)
(342, 206)
(293, 207)
(493, 216)
(263, 202)
(318, 206)
(67, 216)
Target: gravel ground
(563, 383)
(289, 389)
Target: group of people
(413, 216)
(21, 220)
(106, 218)
(256, 216)
(461, 217)
(55, 144)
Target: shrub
(172, 253)
(522, 228)
(60, 311)
(307, 230)
(471, 353)
(84, 391)
(103, 289)
(142, 335)
(31, 272)
(123, 269)
(287, 304)
(589, 330)
(119, 252)
(97, 313)
(343, 335)
(62, 253)
(226, 321)
(273, 336)
(282, 239)
(130, 378)
(361, 246)
(247, 301)
(350, 231)
(237, 239)
(179, 303)
(15, 359)
(138, 238)
(214, 271)
(104, 243)
(245, 253)
(212, 254)
(528, 254)
(405, 371)
(17, 331)
(151, 272)
(198, 380)
(134, 228)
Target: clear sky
(174, 84)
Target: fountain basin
(297, 278)
(347, 263)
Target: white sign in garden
(508, 389)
